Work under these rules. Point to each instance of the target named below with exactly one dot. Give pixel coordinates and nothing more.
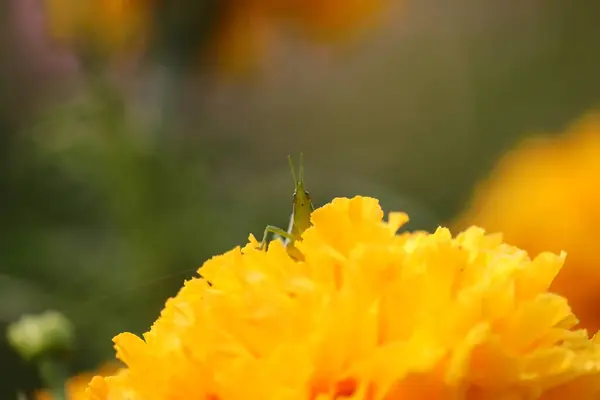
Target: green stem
(54, 374)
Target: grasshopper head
(302, 203)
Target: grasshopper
(302, 208)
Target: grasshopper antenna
(293, 170)
(301, 169)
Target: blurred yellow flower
(242, 30)
(75, 387)
(369, 314)
(105, 25)
(330, 19)
(545, 195)
(245, 28)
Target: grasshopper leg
(275, 230)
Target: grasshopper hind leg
(276, 231)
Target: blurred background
(139, 138)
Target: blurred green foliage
(104, 214)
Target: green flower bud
(35, 336)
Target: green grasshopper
(302, 208)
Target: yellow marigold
(108, 25)
(545, 195)
(334, 18)
(246, 27)
(369, 314)
(75, 387)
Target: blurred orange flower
(243, 27)
(75, 387)
(244, 32)
(103, 25)
(545, 195)
(369, 314)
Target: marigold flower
(369, 314)
(246, 27)
(544, 195)
(107, 25)
(76, 386)
(242, 32)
